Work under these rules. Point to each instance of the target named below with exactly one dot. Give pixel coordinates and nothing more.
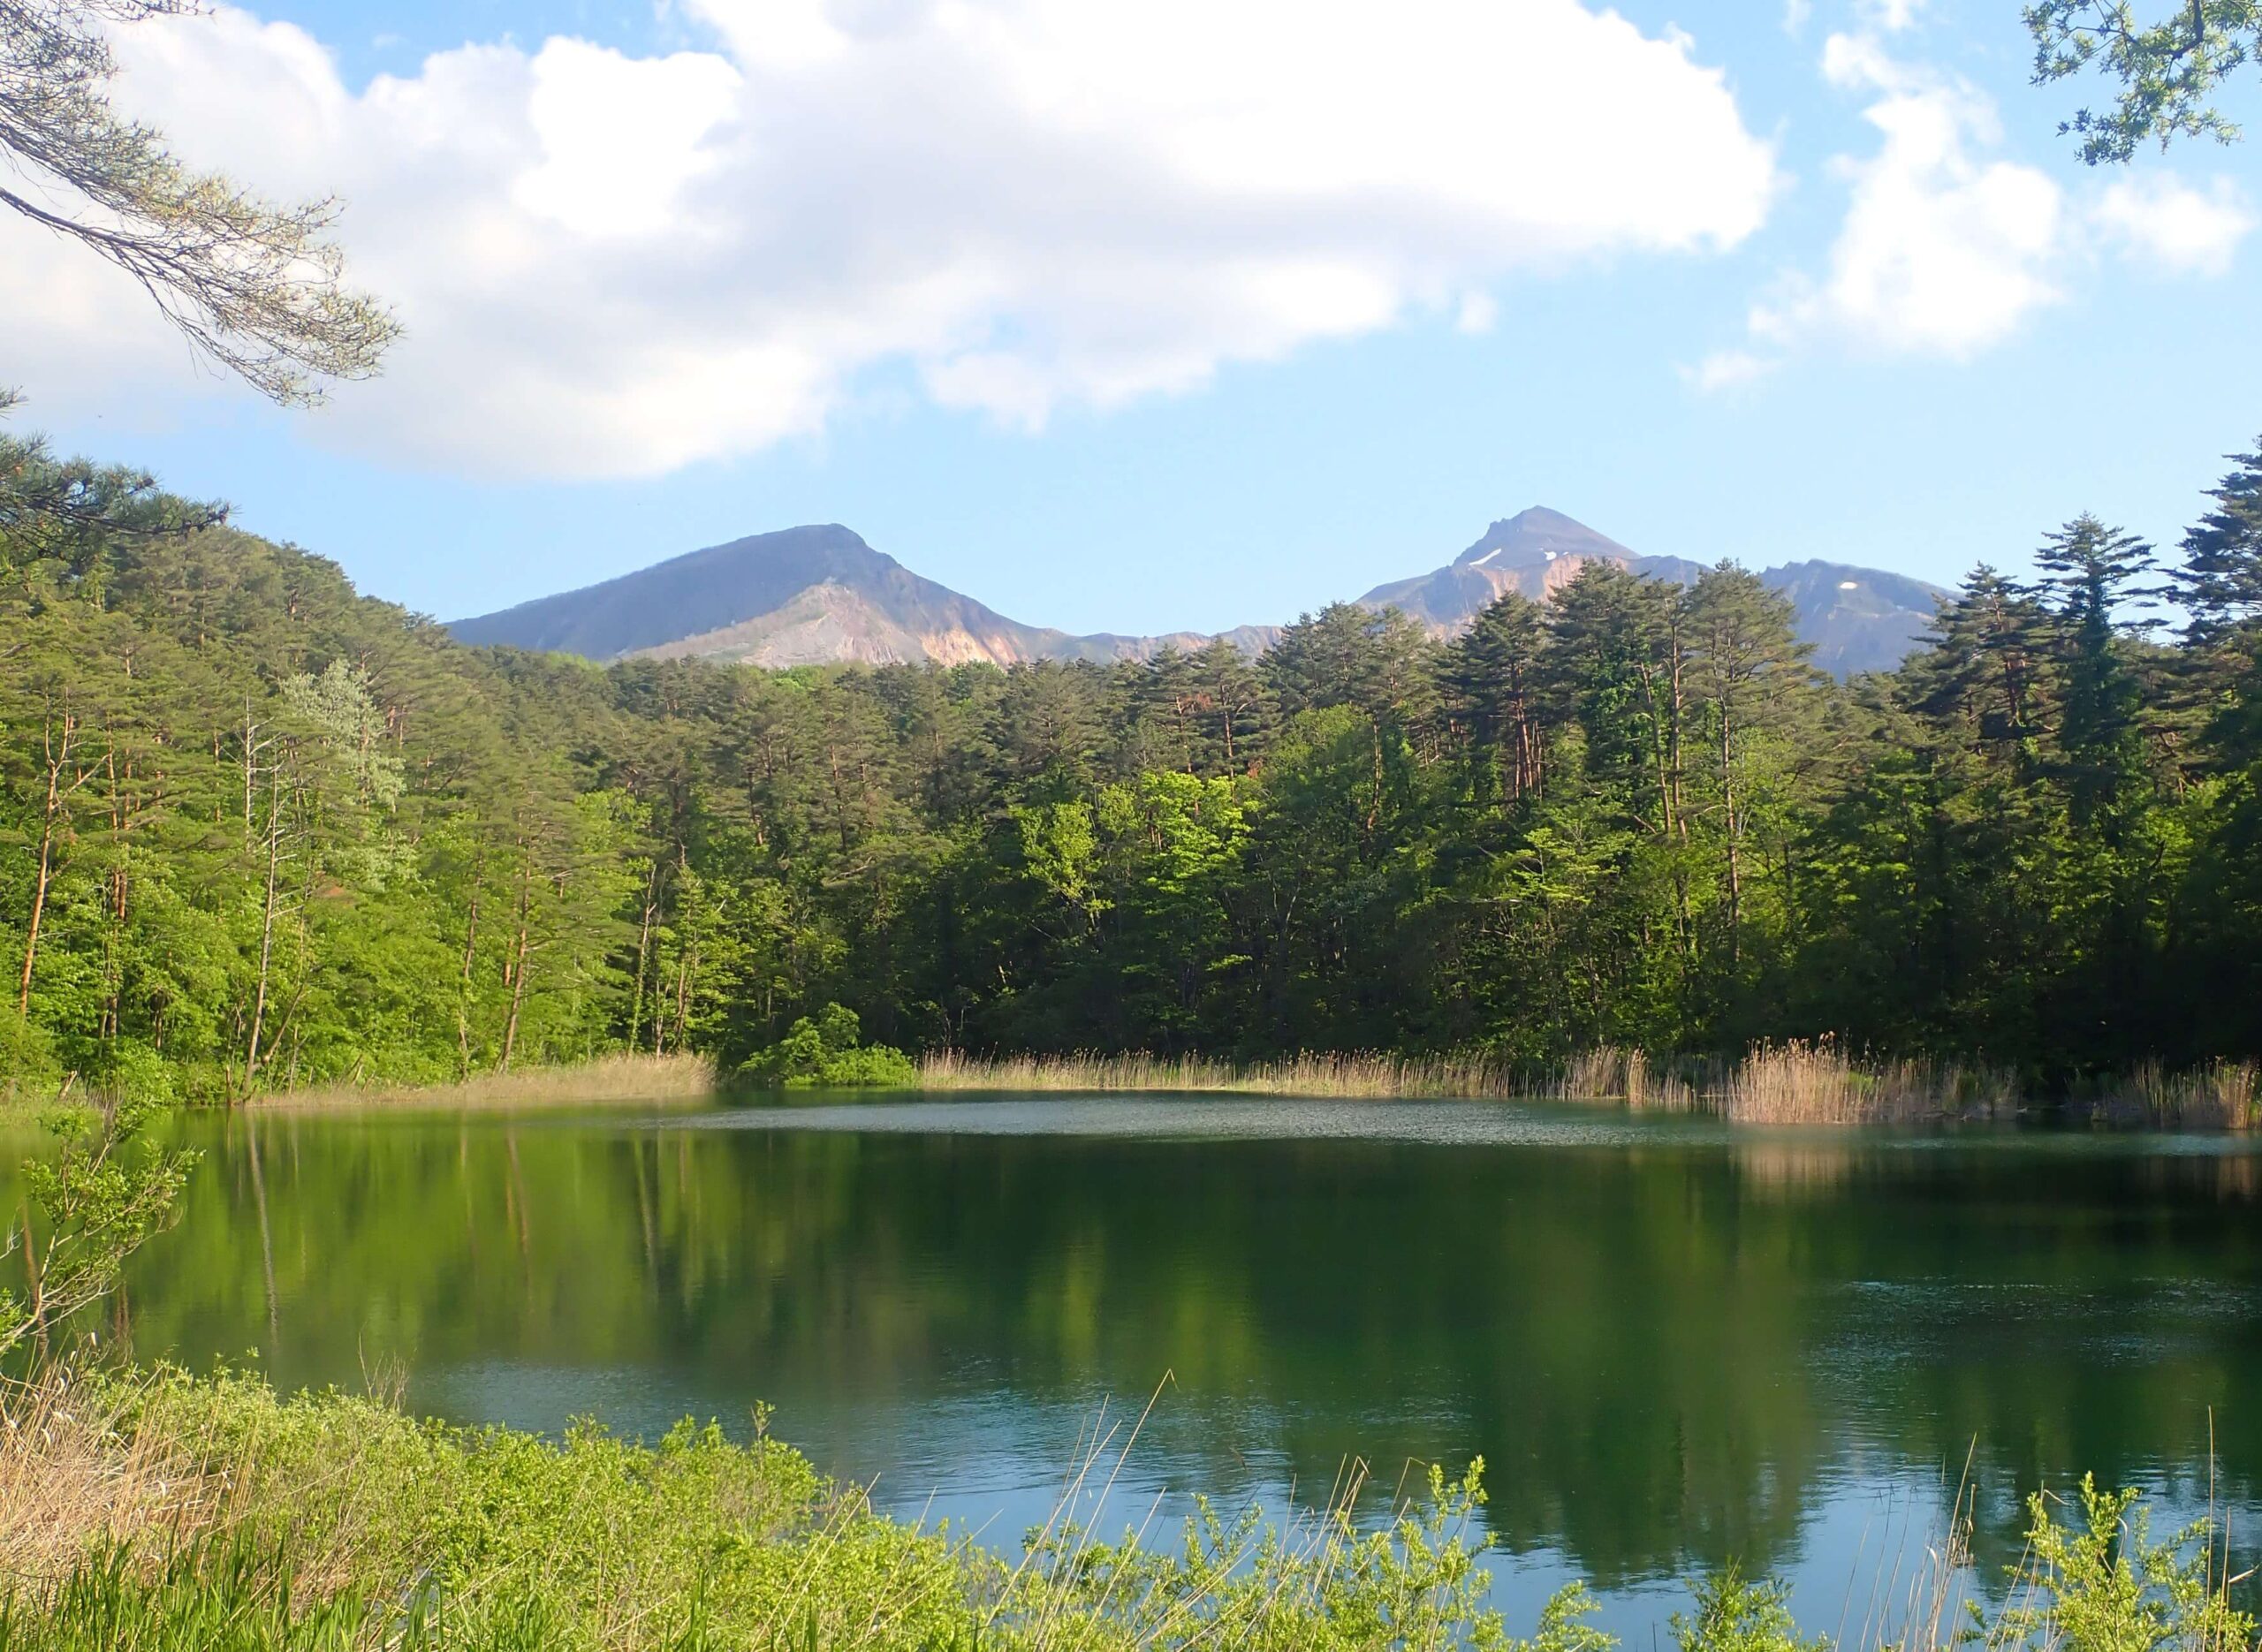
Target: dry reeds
(676, 1079)
(74, 1473)
(1614, 1072)
(2226, 1096)
(1802, 1082)
(1343, 1076)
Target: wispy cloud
(2160, 219)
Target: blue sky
(1868, 310)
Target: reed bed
(617, 1078)
(75, 1469)
(2226, 1095)
(1799, 1082)
(1815, 1082)
(1354, 1075)
(1614, 1072)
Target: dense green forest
(262, 831)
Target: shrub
(1735, 1614)
(826, 1052)
(2105, 1586)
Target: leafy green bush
(103, 1191)
(2104, 1586)
(826, 1052)
(135, 1073)
(1735, 1614)
(427, 1538)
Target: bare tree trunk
(58, 758)
(1736, 868)
(470, 950)
(517, 959)
(683, 968)
(39, 905)
(266, 931)
(251, 766)
(643, 954)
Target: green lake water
(1671, 1343)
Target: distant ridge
(819, 594)
(1859, 619)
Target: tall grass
(614, 1077)
(2226, 1095)
(1345, 1075)
(1614, 1073)
(1798, 1081)
(1802, 1082)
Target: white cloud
(1941, 251)
(1795, 13)
(610, 265)
(2158, 219)
(1726, 369)
(1892, 16)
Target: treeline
(261, 831)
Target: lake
(1671, 1343)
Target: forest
(262, 832)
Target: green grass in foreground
(159, 1514)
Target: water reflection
(1671, 1345)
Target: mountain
(1859, 619)
(802, 596)
(820, 594)
(1536, 552)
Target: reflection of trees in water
(1662, 1352)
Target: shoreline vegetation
(266, 834)
(153, 1509)
(1793, 1083)
(1790, 1083)
(660, 1080)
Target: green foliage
(431, 1537)
(100, 1195)
(348, 1524)
(257, 831)
(2168, 69)
(230, 1594)
(2104, 1586)
(1738, 1614)
(824, 1051)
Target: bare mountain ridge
(820, 595)
(1859, 619)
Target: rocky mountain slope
(1859, 619)
(820, 594)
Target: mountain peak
(819, 594)
(1536, 536)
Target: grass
(2226, 1096)
(156, 1512)
(1802, 1082)
(615, 1078)
(1347, 1076)
(1796, 1082)
(1810, 1083)
(153, 1512)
